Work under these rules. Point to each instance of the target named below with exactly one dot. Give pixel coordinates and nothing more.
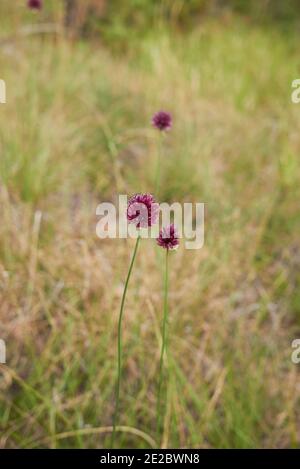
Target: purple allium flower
(168, 238)
(34, 4)
(162, 121)
(142, 210)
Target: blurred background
(83, 79)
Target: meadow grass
(76, 131)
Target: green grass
(76, 131)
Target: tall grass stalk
(119, 371)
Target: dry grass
(74, 132)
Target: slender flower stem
(158, 164)
(164, 340)
(120, 342)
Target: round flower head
(142, 210)
(162, 121)
(168, 238)
(35, 4)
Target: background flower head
(162, 120)
(143, 210)
(168, 237)
(35, 4)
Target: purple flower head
(168, 238)
(162, 121)
(34, 4)
(142, 210)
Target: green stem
(158, 163)
(164, 339)
(120, 342)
